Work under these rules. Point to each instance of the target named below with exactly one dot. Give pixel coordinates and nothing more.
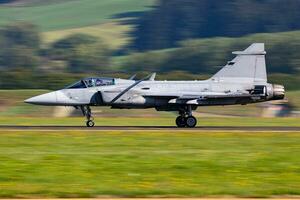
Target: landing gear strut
(186, 118)
(86, 111)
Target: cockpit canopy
(92, 82)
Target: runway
(153, 128)
(166, 198)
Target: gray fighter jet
(242, 81)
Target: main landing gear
(86, 111)
(186, 118)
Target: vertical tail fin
(249, 65)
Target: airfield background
(47, 45)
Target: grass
(59, 19)
(294, 97)
(114, 34)
(83, 164)
(71, 14)
(34, 2)
(150, 121)
(12, 102)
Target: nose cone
(44, 99)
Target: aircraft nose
(44, 99)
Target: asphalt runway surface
(215, 198)
(153, 128)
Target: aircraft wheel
(180, 122)
(191, 122)
(90, 123)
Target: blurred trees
(24, 60)
(22, 33)
(6, 1)
(207, 56)
(20, 49)
(19, 44)
(83, 53)
(176, 20)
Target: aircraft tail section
(249, 65)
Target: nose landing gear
(90, 123)
(86, 111)
(186, 118)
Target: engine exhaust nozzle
(278, 92)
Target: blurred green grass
(58, 19)
(127, 164)
(149, 121)
(113, 33)
(71, 14)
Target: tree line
(177, 20)
(21, 49)
(207, 56)
(6, 1)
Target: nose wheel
(90, 123)
(86, 111)
(186, 118)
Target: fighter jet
(242, 81)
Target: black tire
(90, 123)
(180, 122)
(191, 122)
